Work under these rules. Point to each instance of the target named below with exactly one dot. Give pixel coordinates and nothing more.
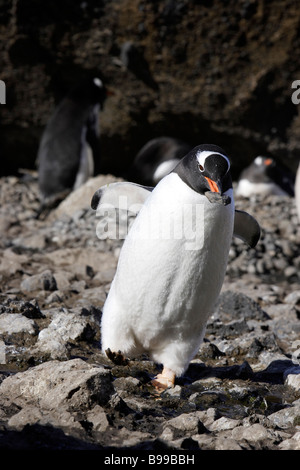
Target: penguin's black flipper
(123, 195)
(246, 228)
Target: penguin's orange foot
(164, 380)
(116, 357)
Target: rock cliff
(207, 71)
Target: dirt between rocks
(57, 391)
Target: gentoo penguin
(133, 59)
(297, 191)
(156, 159)
(173, 261)
(69, 149)
(265, 176)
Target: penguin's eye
(201, 168)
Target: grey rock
(45, 281)
(126, 386)
(28, 309)
(65, 327)
(237, 306)
(53, 384)
(15, 323)
(291, 444)
(98, 418)
(223, 424)
(254, 433)
(227, 443)
(33, 415)
(287, 417)
(293, 380)
(228, 330)
(80, 199)
(71, 326)
(186, 424)
(129, 439)
(11, 263)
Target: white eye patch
(258, 161)
(202, 156)
(98, 82)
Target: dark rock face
(208, 72)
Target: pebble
(11, 324)
(45, 281)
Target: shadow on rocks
(273, 373)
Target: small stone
(185, 424)
(11, 262)
(53, 345)
(293, 380)
(173, 392)
(254, 433)
(44, 281)
(55, 297)
(98, 418)
(15, 323)
(72, 383)
(223, 424)
(290, 271)
(286, 417)
(226, 443)
(28, 415)
(70, 326)
(28, 309)
(293, 298)
(236, 305)
(291, 444)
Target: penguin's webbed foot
(116, 357)
(164, 380)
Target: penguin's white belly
(169, 275)
(246, 188)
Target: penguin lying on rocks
(69, 148)
(157, 158)
(173, 261)
(265, 176)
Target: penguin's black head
(206, 169)
(89, 92)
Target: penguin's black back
(74, 121)
(152, 154)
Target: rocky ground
(57, 391)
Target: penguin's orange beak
(213, 185)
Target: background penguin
(265, 176)
(156, 159)
(69, 148)
(166, 282)
(133, 59)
